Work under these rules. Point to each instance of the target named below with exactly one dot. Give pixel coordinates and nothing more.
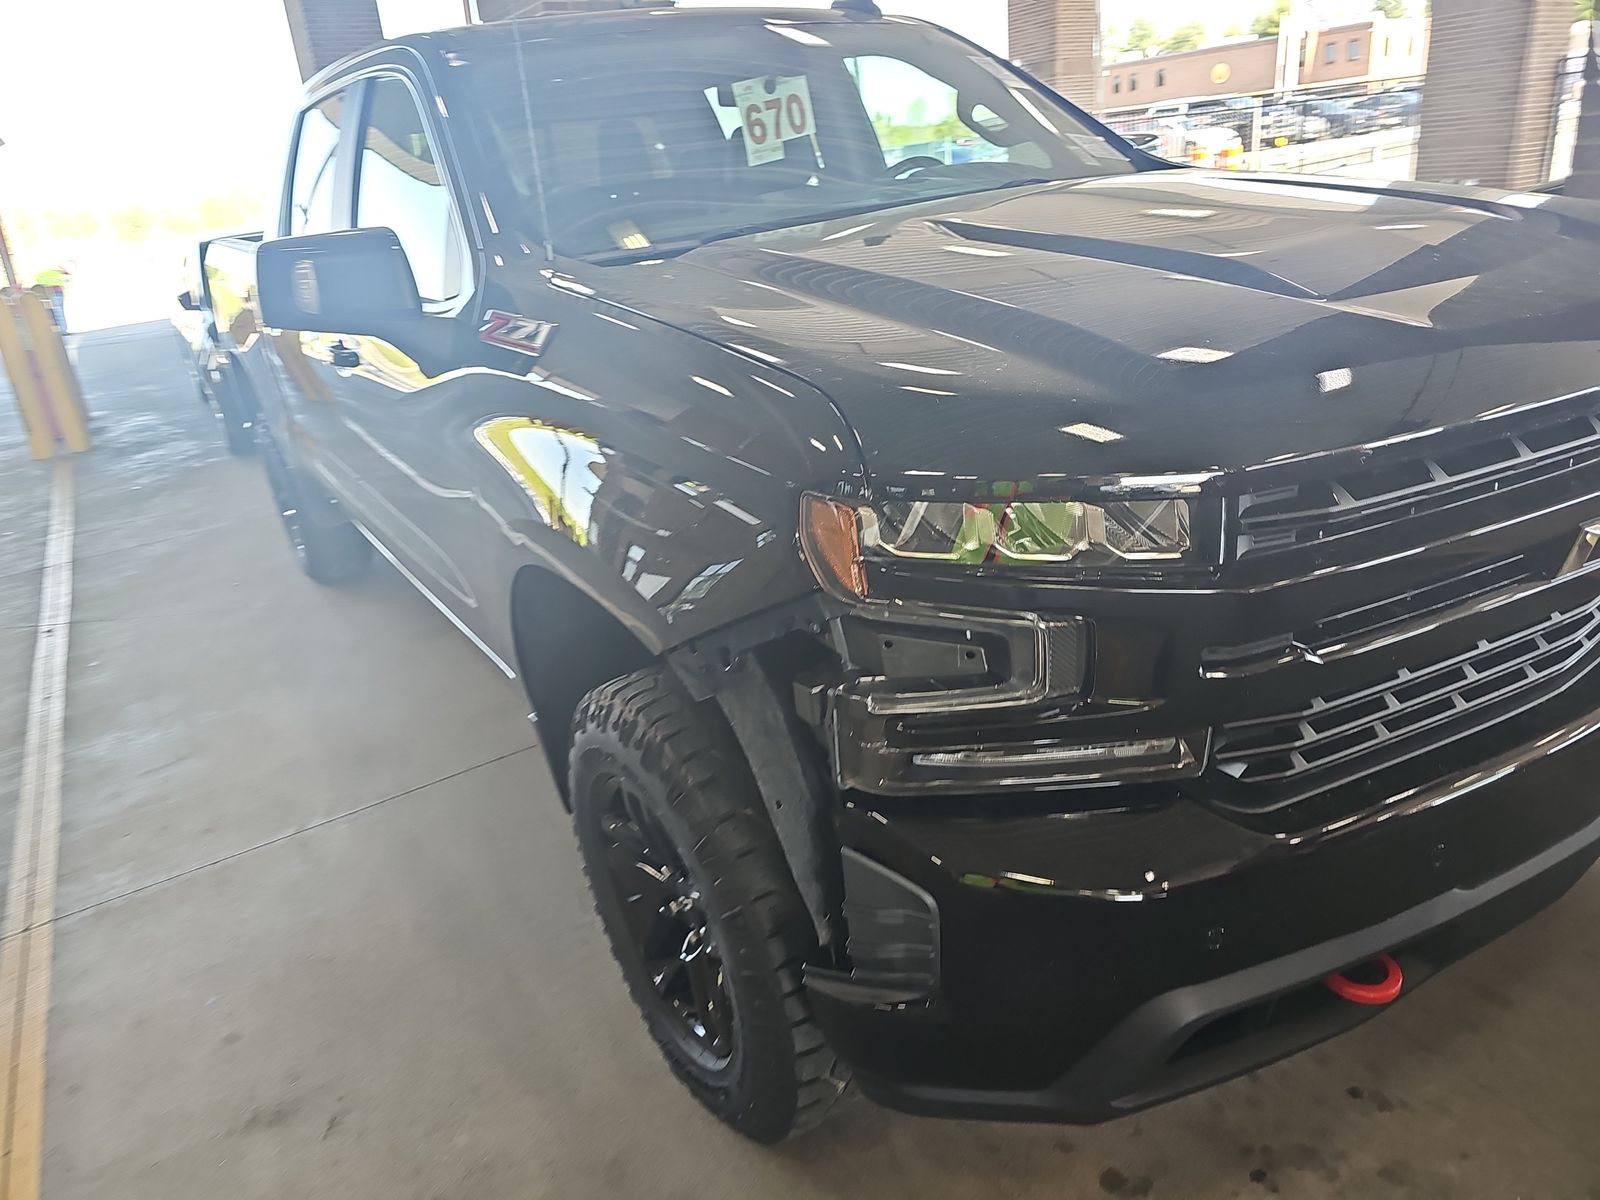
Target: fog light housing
(888, 757)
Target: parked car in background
(1285, 124)
(1237, 113)
(1344, 118)
(1211, 146)
(1037, 629)
(206, 306)
(1186, 141)
(1168, 110)
(1392, 109)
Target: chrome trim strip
(435, 601)
(1296, 651)
(1506, 412)
(1586, 725)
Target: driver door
(405, 429)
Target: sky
(163, 101)
(161, 104)
(108, 102)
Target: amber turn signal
(831, 540)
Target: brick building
(1060, 44)
(1374, 50)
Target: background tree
(133, 224)
(1185, 37)
(1586, 10)
(1142, 37)
(1267, 24)
(1389, 8)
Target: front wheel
(698, 903)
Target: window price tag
(771, 111)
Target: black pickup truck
(207, 306)
(1033, 627)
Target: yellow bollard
(27, 385)
(62, 392)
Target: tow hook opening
(1376, 981)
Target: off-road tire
(683, 766)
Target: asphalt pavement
(321, 930)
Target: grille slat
(1372, 498)
(1359, 728)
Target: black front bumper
(1091, 965)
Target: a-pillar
(1488, 105)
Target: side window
(400, 186)
(316, 152)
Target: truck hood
(1172, 321)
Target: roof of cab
(569, 24)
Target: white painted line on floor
(27, 927)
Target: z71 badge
(523, 334)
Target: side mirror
(355, 281)
(187, 302)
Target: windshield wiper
(683, 245)
(673, 249)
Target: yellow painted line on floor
(31, 889)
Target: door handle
(344, 357)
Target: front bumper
(1093, 964)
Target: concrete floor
(321, 930)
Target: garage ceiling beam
(324, 31)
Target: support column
(1585, 179)
(1058, 41)
(1488, 107)
(324, 31)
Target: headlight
(1103, 532)
(1030, 531)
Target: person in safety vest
(53, 281)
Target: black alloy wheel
(698, 903)
(670, 931)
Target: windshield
(676, 131)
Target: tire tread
(709, 785)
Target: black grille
(1372, 498)
(1378, 621)
(1337, 737)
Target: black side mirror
(187, 302)
(356, 281)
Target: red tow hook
(1345, 988)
